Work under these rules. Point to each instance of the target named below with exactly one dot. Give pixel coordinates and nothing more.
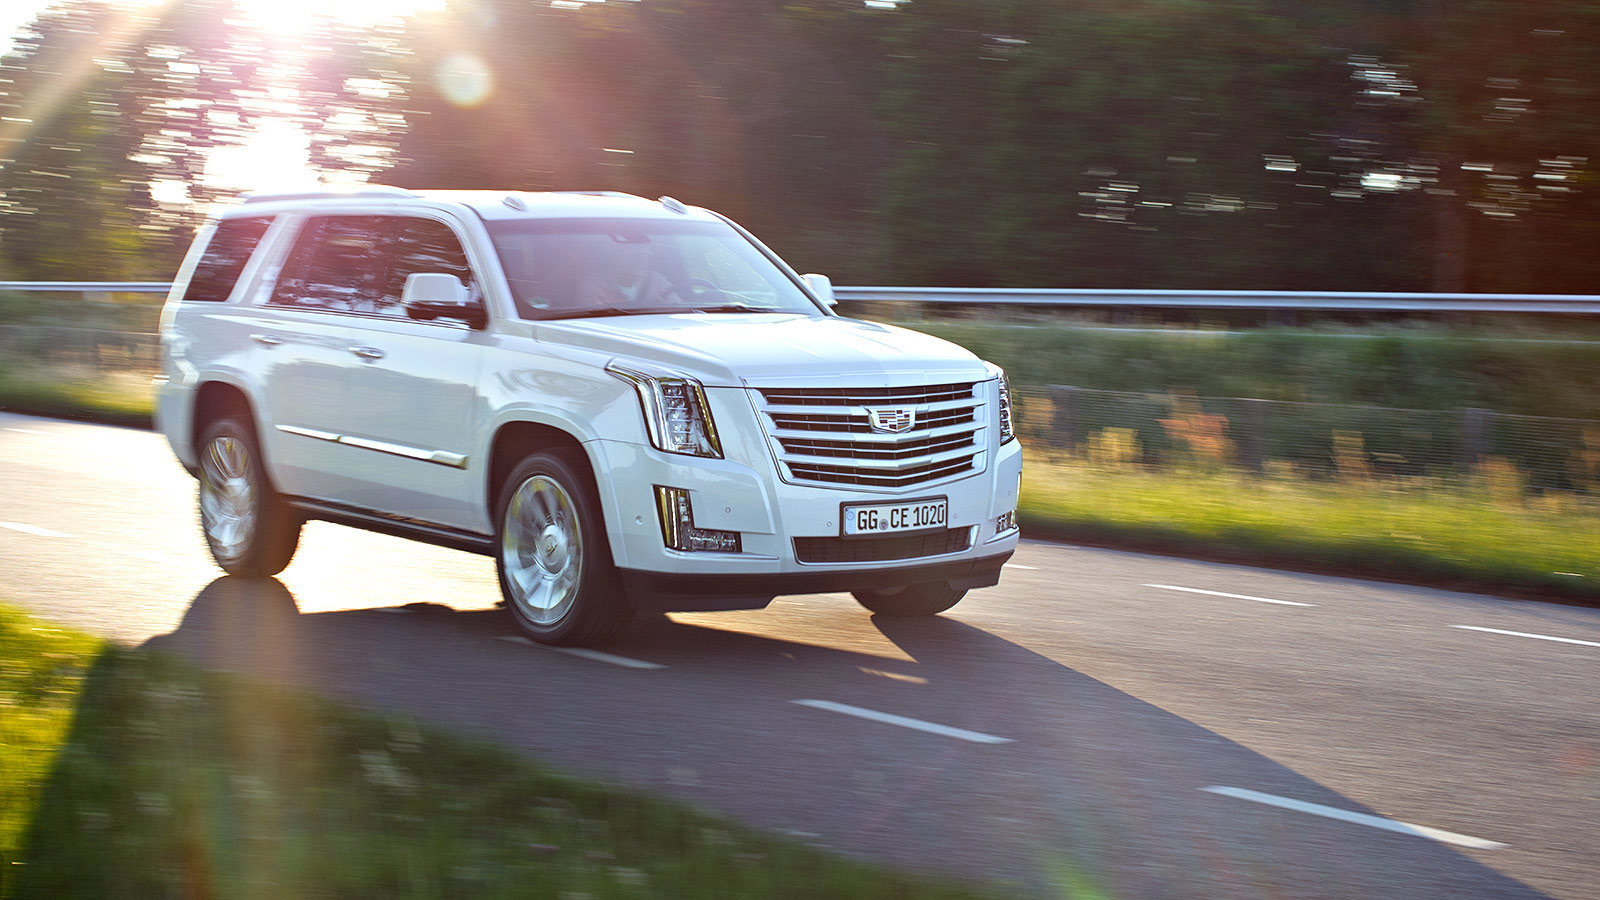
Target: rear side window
(224, 258)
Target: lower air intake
(879, 549)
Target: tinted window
(359, 264)
(332, 265)
(224, 258)
(422, 245)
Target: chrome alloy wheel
(541, 546)
(228, 496)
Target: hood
(763, 350)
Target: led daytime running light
(1006, 431)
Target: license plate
(890, 518)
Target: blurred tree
(70, 201)
(104, 102)
(1246, 144)
(761, 109)
(1148, 144)
(1505, 140)
(1361, 144)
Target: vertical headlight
(1006, 431)
(675, 411)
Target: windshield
(577, 268)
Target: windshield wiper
(599, 311)
(734, 307)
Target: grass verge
(1475, 534)
(125, 773)
(121, 399)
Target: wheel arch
(215, 398)
(515, 440)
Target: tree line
(1231, 144)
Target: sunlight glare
(300, 15)
(277, 156)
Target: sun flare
(289, 16)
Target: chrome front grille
(826, 435)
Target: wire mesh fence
(1153, 431)
(1319, 441)
(95, 349)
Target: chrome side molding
(439, 457)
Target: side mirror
(822, 287)
(438, 295)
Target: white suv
(628, 404)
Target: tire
(926, 599)
(251, 530)
(554, 562)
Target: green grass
(116, 399)
(128, 774)
(42, 672)
(1481, 533)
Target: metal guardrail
(90, 287)
(1371, 301)
(1579, 304)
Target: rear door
(302, 351)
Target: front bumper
(673, 592)
(769, 514)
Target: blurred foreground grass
(123, 398)
(1482, 532)
(130, 774)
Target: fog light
(1005, 523)
(677, 525)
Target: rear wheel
(555, 566)
(251, 531)
(925, 599)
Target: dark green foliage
(1147, 143)
(102, 99)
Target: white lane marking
(1173, 587)
(583, 653)
(29, 431)
(1018, 566)
(1330, 812)
(976, 737)
(33, 530)
(1542, 637)
(894, 676)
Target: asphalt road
(1159, 727)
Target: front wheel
(926, 599)
(554, 562)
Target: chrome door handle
(266, 339)
(367, 352)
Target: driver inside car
(628, 277)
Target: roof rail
(359, 190)
(601, 194)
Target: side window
(224, 258)
(423, 245)
(333, 265)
